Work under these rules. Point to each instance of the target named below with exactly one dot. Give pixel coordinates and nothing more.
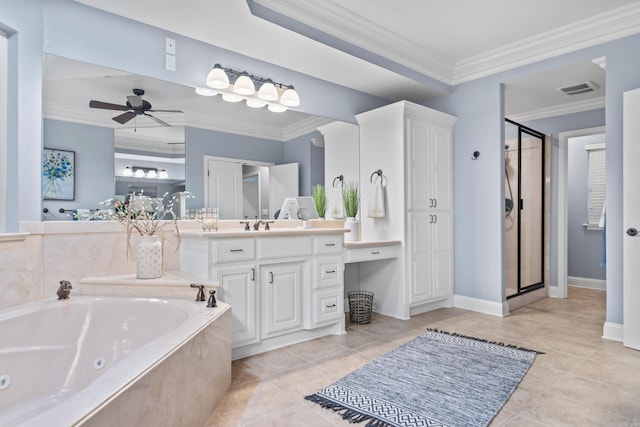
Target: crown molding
(608, 26)
(331, 18)
(559, 110)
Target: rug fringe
(347, 414)
(454, 334)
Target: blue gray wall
(94, 175)
(310, 160)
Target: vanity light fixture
(144, 172)
(237, 86)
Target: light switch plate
(170, 46)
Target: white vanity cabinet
(282, 288)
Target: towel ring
(378, 172)
(340, 178)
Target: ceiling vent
(580, 88)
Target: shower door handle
(633, 232)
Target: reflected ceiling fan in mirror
(135, 106)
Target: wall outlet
(170, 46)
(170, 62)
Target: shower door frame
(533, 286)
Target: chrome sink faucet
(200, 295)
(256, 226)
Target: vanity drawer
(371, 253)
(327, 272)
(231, 250)
(330, 244)
(284, 247)
(327, 306)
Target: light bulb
(244, 85)
(217, 78)
(255, 103)
(290, 98)
(231, 97)
(127, 171)
(139, 173)
(152, 174)
(268, 92)
(277, 108)
(205, 91)
(163, 174)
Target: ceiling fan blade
(135, 101)
(163, 123)
(124, 117)
(107, 105)
(166, 111)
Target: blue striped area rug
(436, 379)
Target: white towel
(335, 205)
(376, 201)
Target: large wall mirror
(113, 152)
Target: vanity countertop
(221, 234)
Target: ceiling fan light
(244, 85)
(217, 78)
(268, 92)
(290, 98)
(277, 108)
(255, 103)
(231, 97)
(163, 174)
(127, 171)
(205, 91)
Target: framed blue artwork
(58, 174)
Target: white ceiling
(408, 44)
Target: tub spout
(212, 299)
(64, 289)
(200, 296)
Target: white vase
(353, 225)
(149, 258)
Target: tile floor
(582, 380)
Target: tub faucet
(64, 289)
(212, 299)
(200, 296)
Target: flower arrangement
(319, 199)
(142, 214)
(351, 199)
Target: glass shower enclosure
(523, 209)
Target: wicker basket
(360, 306)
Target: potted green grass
(351, 201)
(319, 199)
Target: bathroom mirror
(104, 148)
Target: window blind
(596, 182)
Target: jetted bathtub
(113, 361)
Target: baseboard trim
(494, 308)
(613, 331)
(585, 282)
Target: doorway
(524, 209)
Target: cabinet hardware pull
(330, 306)
(329, 244)
(435, 203)
(270, 277)
(253, 274)
(236, 250)
(330, 271)
(375, 252)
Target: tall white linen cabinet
(412, 146)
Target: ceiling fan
(135, 106)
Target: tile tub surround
(581, 380)
(32, 266)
